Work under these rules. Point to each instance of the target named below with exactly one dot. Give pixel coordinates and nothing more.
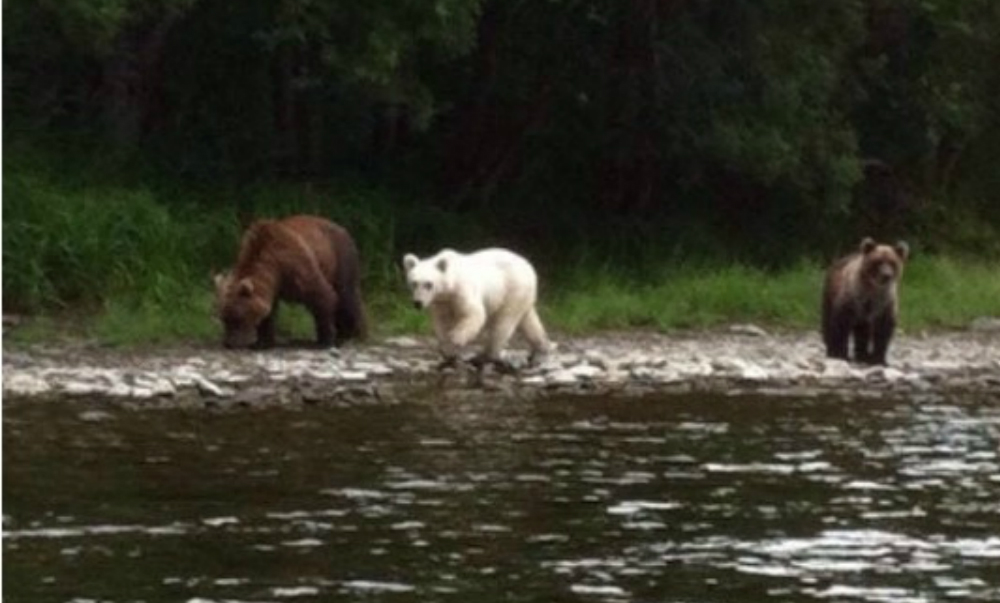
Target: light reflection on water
(677, 499)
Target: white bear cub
(492, 288)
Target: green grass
(131, 265)
(685, 296)
(936, 292)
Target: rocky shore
(737, 359)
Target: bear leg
(533, 330)
(465, 329)
(501, 330)
(881, 336)
(349, 318)
(454, 333)
(862, 341)
(441, 318)
(837, 334)
(323, 306)
(266, 328)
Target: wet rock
(985, 324)
(626, 364)
(353, 376)
(747, 329)
(595, 358)
(644, 373)
(882, 373)
(585, 371)
(404, 342)
(82, 388)
(255, 396)
(726, 365)
(121, 390)
(377, 369)
(228, 377)
(95, 416)
(207, 387)
(322, 375)
(549, 365)
(25, 384)
(563, 377)
(615, 376)
(751, 372)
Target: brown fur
(300, 259)
(860, 299)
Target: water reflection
(677, 499)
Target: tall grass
(131, 264)
(935, 292)
(679, 296)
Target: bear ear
(246, 287)
(442, 264)
(902, 250)
(221, 279)
(867, 244)
(409, 261)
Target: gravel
(738, 359)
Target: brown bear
(860, 298)
(302, 259)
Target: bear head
(882, 265)
(240, 307)
(429, 280)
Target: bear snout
(419, 305)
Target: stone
(564, 377)
(120, 390)
(585, 371)
(206, 386)
(373, 368)
(622, 365)
(353, 376)
(95, 416)
(643, 373)
(596, 358)
(403, 342)
(25, 384)
(747, 329)
(81, 388)
(321, 374)
(985, 324)
(752, 372)
(154, 384)
(726, 365)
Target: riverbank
(733, 359)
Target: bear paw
(500, 365)
(448, 362)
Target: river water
(686, 499)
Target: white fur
(494, 289)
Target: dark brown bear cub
(860, 298)
(301, 259)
